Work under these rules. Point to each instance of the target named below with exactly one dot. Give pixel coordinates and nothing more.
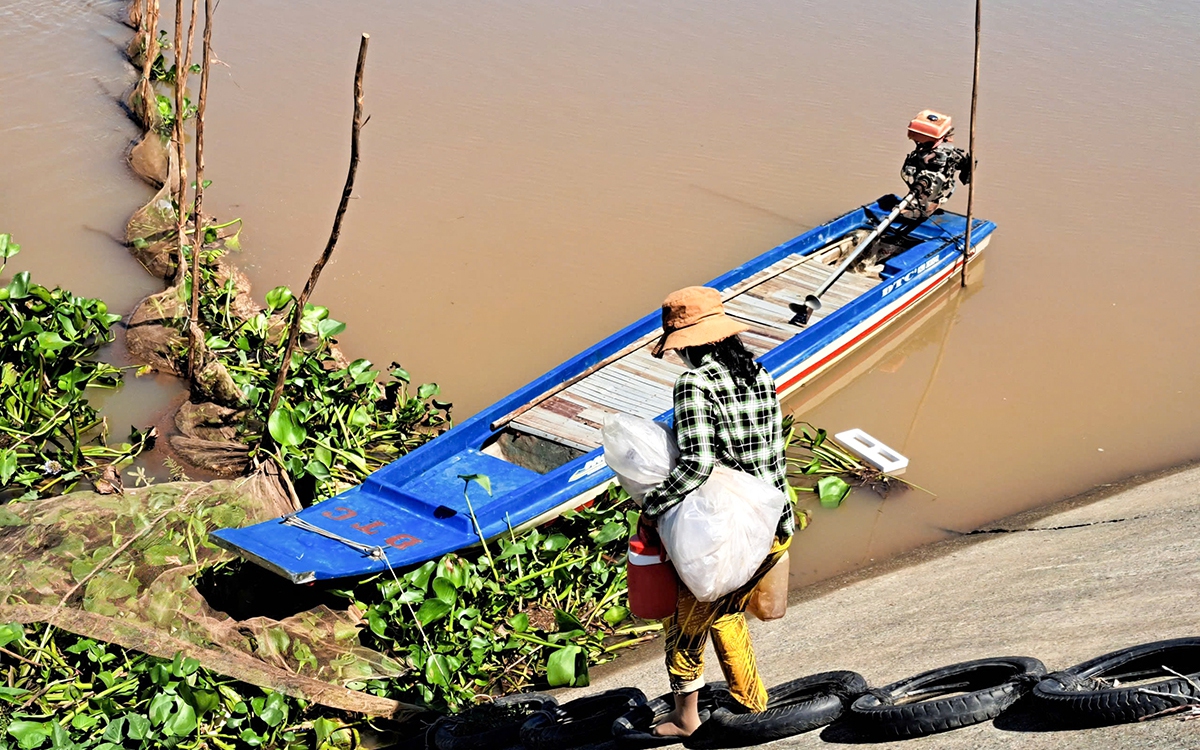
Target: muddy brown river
(536, 175)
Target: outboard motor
(930, 169)
(929, 173)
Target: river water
(537, 174)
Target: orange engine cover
(929, 126)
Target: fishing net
(130, 563)
(152, 159)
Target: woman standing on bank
(726, 412)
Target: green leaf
(432, 611)
(439, 669)
(50, 342)
(610, 532)
(30, 734)
(481, 479)
(519, 622)
(274, 711)
(563, 668)
(8, 466)
(277, 297)
(11, 632)
(324, 455)
(427, 390)
(160, 708)
(329, 327)
(419, 578)
(567, 621)
(285, 429)
(115, 731)
(166, 554)
(445, 590)
(832, 491)
(138, 726)
(8, 248)
(377, 624)
(615, 615)
(556, 542)
(183, 721)
(18, 288)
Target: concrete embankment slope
(1090, 576)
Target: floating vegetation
(51, 437)
(63, 691)
(339, 420)
(813, 455)
(537, 608)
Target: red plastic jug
(653, 584)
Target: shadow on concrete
(846, 731)
(1030, 715)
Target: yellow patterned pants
(689, 628)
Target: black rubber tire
(984, 687)
(1073, 692)
(633, 729)
(456, 732)
(582, 722)
(792, 708)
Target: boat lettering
(346, 513)
(402, 541)
(910, 275)
(368, 529)
(591, 467)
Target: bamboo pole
(195, 338)
(971, 147)
(177, 137)
(298, 310)
(151, 23)
(191, 35)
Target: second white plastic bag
(719, 535)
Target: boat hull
(419, 507)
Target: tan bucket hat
(694, 316)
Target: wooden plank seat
(639, 384)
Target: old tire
(793, 707)
(584, 721)
(1076, 693)
(633, 729)
(490, 726)
(982, 689)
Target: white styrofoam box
(872, 451)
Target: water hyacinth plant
(536, 608)
(63, 691)
(820, 466)
(50, 435)
(339, 420)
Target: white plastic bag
(720, 534)
(640, 451)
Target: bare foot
(676, 724)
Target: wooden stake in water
(298, 311)
(177, 144)
(971, 148)
(195, 335)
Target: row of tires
(1122, 686)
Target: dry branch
(298, 311)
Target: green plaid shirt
(718, 420)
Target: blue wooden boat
(540, 446)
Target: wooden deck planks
(639, 384)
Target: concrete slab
(1097, 573)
